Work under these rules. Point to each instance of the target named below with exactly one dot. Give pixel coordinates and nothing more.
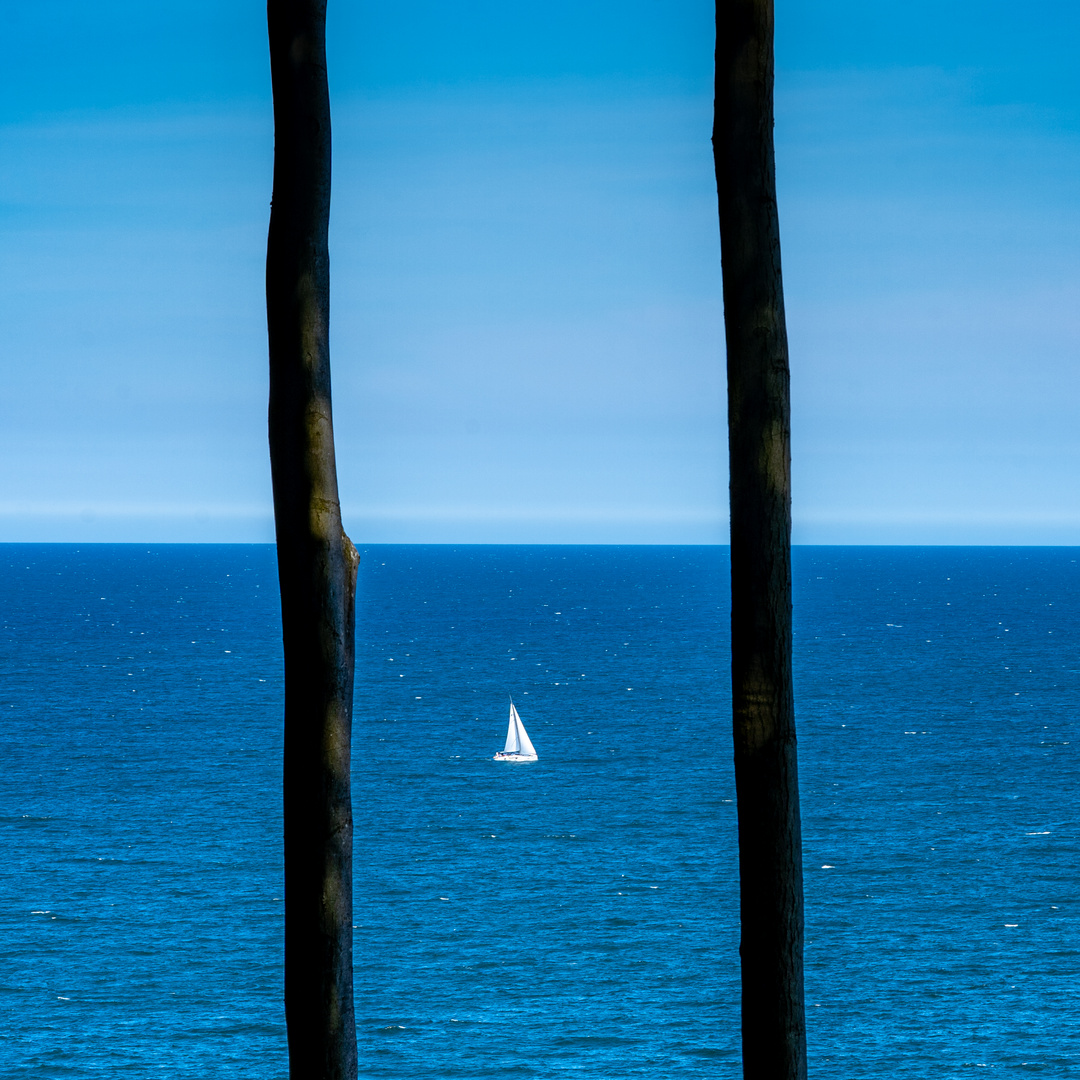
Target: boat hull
(516, 759)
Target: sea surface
(576, 917)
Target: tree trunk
(766, 778)
(316, 562)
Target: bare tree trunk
(766, 777)
(316, 562)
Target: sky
(527, 339)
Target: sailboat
(519, 746)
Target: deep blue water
(572, 917)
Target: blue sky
(527, 335)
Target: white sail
(519, 746)
(513, 741)
(524, 743)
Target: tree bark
(766, 778)
(317, 563)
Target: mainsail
(517, 738)
(513, 742)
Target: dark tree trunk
(766, 778)
(316, 561)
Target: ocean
(576, 916)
